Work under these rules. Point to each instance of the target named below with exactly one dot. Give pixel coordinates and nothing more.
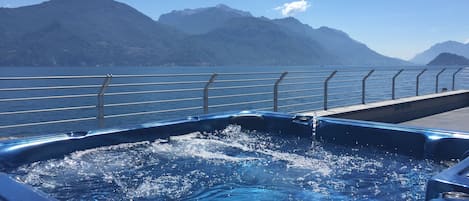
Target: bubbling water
(231, 164)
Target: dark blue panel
(454, 179)
(13, 191)
(417, 142)
(16, 152)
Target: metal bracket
(364, 85)
(417, 84)
(394, 83)
(100, 105)
(207, 86)
(438, 80)
(326, 83)
(454, 79)
(277, 83)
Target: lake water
(344, 89)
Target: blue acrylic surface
(239, 155)
(231, 164)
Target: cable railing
(97, 99)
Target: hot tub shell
(416, 142)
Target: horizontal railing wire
(49, 110)
(184, 93)
(299, 104)
(151, 102)
(151, 112)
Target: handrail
(100, 105)
(48, 122)
(247, 80)
(49, 88)
(299, 90)
(185, 92)
(48, 110)
(364, 85)
(151, 112)
(418, 82)
(408, 82)
(342, 99)
(242, 87)
(342, 87)
(151, 102)
(299, 104)
(277, 82)
(154, 83)
(52, 77)
(417, 68)
(454, 78)
(241, 103)
(344, 93)
(152, 91)
(299, 83)
(326, 82)
(394, 83)
(438, 79)
(240, 95)
(304, 77)
(252, 73)
(342, 81)
(207, 85)
(47, 97)
(299, 97)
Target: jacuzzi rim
(433, 134)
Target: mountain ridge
(201, 20)
(260, 40)
(453, 47)
(449, 59)
(97, 36)
(110, 33)
(348, 51)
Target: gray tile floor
(452, 120)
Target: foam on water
(230, 164)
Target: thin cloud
(467, 41)
(289, 9)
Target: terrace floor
(367, 106)
(453, 120)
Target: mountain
(449, 59)
(82, 32)
(346, 49)
(331, 43)
(448, 47)
(247, 41)
(109, 33)
(201, 20)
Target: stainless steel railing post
(326, 83)
(364, 85)
(277, 83)
(454, 79)
(417, 84)
(207, 86)
(438, 79)
(100, 105)
(394, 83)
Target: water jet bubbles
(231, 161)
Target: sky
(396, 28)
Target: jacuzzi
(239, 156)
